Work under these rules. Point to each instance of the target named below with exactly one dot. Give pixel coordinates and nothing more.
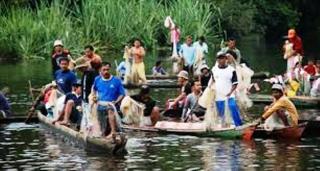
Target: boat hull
(89, 143)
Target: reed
(107, 24)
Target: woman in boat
(281, 112)
(138, 69)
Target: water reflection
(30, 147)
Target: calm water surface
(31, 147)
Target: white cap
(57, 43)
(277, 87)
(183, 74)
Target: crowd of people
(99, 100)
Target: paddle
(31, 110)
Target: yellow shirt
(283, 103)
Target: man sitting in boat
(64, 77)
(158, 70)
(140, 109)
(107, 92)
(72, 107)
(226, 83)
(281, 112)
(174, 106)
(190, 113)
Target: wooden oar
(30, 112)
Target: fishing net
(128, 61)
(132, 111)
(56, 102)
(198, 62)
(207, 100)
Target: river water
(31, 147)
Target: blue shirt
(108, 90)
(64, 80)
(4, 105)
(188, 53)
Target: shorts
(75, 116)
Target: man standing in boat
(108, 92)
(138, 69)
(64, 77)
(226, 82)
(90, 55)
(282, 111)
(58, 52)
(295, 42)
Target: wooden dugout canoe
(100, 145)
(299, 101)
(243, 132)
(287, 133)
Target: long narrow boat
(299, 101)
(258, 75)
(196, 129)
(287, 133)
(102, 145)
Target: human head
(291, 33)
(196, 85)
(204, 69)
(277, 91)
(88, 50)
(318, 63)
(232, 43)
(105, 70)
(221, 59)
(58, 46)
(77, 87)
(144, 91)
(189, 40)
(158, 63)
(64, 64)
(201, 39)
(183, 77)
(136, 42)
(231, 55)
(310, 62)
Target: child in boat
(174, 106)
(189, 110)
(158, 70)
(151, 113)
(72, 107)
(281, 112)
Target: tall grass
(107, 24)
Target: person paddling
(282, 112)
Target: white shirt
(223, 81)
(203, 47)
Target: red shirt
(297, 44)
(310, 69)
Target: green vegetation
(107, 24)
